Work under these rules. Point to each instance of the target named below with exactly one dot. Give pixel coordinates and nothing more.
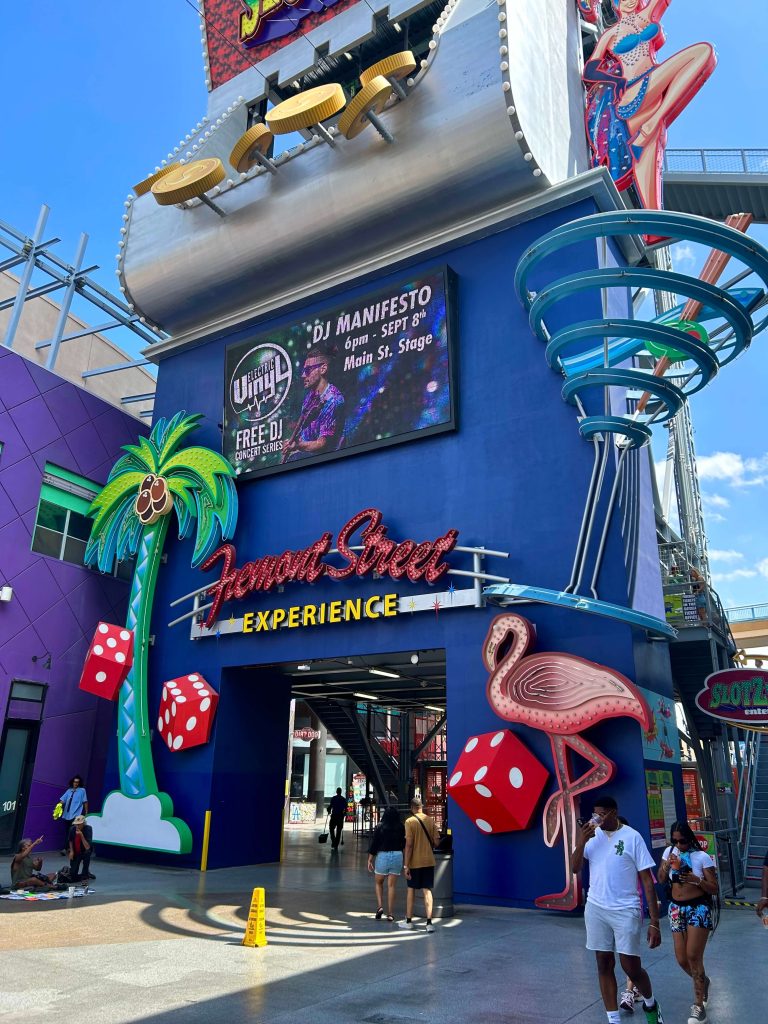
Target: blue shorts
(690, 914)
(389, 862)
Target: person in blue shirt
(74, 802)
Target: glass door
(17, 752)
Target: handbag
(323, 837)
(58, 810)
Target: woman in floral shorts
(691, 873)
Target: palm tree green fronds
(202, 482)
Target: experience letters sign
(738, 696)
(372, 372)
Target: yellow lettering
(321, 617)
(352, 609)
(262, 621)
(293, 616)
(390, 604)
(248, 622)
(369, 607)
(334, 611)
(309, 614)
(278, 615)
(251, 23)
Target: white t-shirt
(615, 859)
(699, 859)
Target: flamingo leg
(562, 807)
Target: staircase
(757, 840)
(348, 727)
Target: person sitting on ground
(26, 871)
(385, 859)
(80, 848)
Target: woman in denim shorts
(691, 874)
(385, 859)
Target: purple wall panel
(55, 606)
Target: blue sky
(97, 94)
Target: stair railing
(746, 798)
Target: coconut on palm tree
(131, 516)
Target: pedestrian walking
(74, 802)
(613, 915)
(691, 875)
(385, 859)
(421, 836)
(337, 810)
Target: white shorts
(609, 931)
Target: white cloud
(733, 468)
(733, 575)
(683, 255)
(716, 555)
(762, 567)
(715, 501)
(139, 822)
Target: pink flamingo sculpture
(561, 695)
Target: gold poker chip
(399, 65)
(258, 137)
(188, 181)
(373, 97)
(144, 186)
(306, 108)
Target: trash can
(442, 893)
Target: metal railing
(716, 161)
(747, 612)
(746, 797)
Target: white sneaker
(430, 927)
(697, 1014)
(627, 1001)
(409, 925)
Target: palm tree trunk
(137, 770)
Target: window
(63, 527)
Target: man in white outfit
(618, 858)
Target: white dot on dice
(100, 677)
(119, 656)
(160, 723)
(124, 634)
(170, 741)
(103, 627)
(497, 739)
(191, 723)
(173, 708)
(98, 649)
(193, 679)
(167, 716)
(455, 779)
(181, 699)
(483, 790)
(177, 742)
(483, 825)
(516, 777)
(111, 642)
(481, 773)
(471, 745)
(205, 703)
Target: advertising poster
(662, 812)
(661, 742)
(369, 373)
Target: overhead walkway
(717, 182)
(749, 625)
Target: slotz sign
(738, 696)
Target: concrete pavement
(162, 946)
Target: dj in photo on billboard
(375, 371)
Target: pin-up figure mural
(632, 98)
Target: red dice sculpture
(187, 708)
(108, 661)
(497, 782)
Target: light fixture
(383, 672)
(414, 659)
(39, 657)
(365, 696)
(431, 707)
(396, 27)
(6, 593)
(305, 666)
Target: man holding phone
(618, 857)
(26, 871)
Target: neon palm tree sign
(131, 516)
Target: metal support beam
(114, 369)
(20, 254)
(428, 739)
(128, 399)
(66, 302)
(86, 332)
(26, 276)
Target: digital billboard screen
(373, 372)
